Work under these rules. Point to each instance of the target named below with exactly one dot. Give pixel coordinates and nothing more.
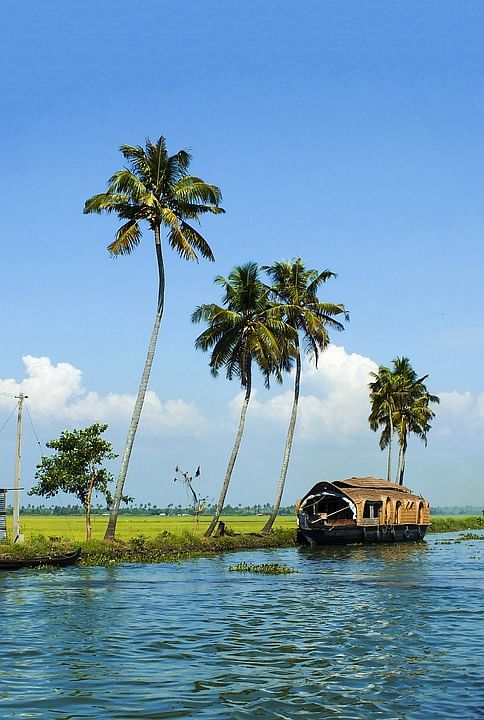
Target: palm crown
(243, 330)
(295, 292)
(157, 188)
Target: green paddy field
(72, 527)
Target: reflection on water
(390, 631)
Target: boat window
(388, 511)
(372, 509)
(420, 513)
(398, 508)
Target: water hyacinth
(265, 568)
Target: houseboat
(365, 509)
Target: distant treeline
(153, 509)
(457, 510)
(150, 509)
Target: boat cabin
(361, 508)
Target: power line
(33, 428)
(6, 421)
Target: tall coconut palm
(295, 290)
(412, 413)
(240, 334)
(382, 402)
(155, 188)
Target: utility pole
(17, 537)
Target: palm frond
(127, 238)
(197, 241)
(138, 162)
(126, 182)
(105, 202)
(191, 189)
(179, 242)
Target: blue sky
(347, 133)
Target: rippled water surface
(358, 632)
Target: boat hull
(340, 534)
(48, 560)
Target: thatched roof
(365, 488)
(372, 483)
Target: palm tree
(241, 333)
(382, 401)
(412, 413)
(155, 188)
(295, 290)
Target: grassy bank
(151, 539)
(165, 547)
(453, 523)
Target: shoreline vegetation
(158, 539)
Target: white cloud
(56, 393)
(480, 406)
(334, 401)
(455, 403)
(337, 403)
(459, 412)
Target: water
(359, 632)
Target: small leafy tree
(75, 468)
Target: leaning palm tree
(240, 334)
(382, 409)
(412, 413)
(156, 188)
(295, 290)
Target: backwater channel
(390, 631)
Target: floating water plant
(265, 568)
(461, 538)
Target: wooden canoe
(11, 563)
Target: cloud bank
(333, 402)
(333, 399)
(56, 393)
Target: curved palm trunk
(402, 464)
(118, 493)
(232, 459)
(401, 461)
(389, 462)
(88, 505)
(287, 450)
